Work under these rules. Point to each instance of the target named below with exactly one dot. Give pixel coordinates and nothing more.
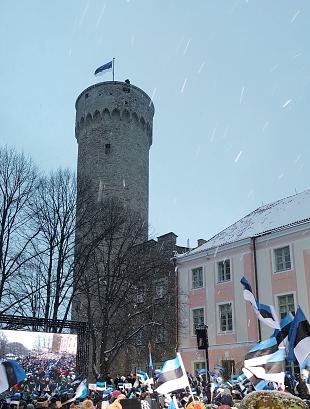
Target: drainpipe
(174, 260)
(256, 285)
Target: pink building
(271, 247)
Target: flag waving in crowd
(11, 373)
(172, 376)
(299, 338)
(265, 313)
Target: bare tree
(3, 345)
(18, 180)
(47, 283)
(117, 262)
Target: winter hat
(87, 404)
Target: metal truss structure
(18, 323)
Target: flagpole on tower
(113, 67)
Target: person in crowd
(301, 388)
(224, 398)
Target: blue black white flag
(281, 334)
(142, 376)
(104, 68)
(172, 376)
(80, 393)
(101, 386)
(11, 373)
(266, 361)
(265, 313)
(219, 368)
(273, 369)
(262, 349)
(299, 338)
(259, 384)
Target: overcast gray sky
(230, 81)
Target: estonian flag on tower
(104, 68)
(11, 373)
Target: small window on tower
(86, 96)
(107, 148)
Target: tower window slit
(107, 148)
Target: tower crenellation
(114, 123)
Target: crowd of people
(51, 382)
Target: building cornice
(260, 238)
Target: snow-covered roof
(285, 212)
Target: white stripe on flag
(4, 384)
(302, 349)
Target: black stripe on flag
(302, 332)
(10, 373)
(169, 376)
(281, 335)
(265, 314)
(261, 352)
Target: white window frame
(273, 257)
(219, 331)
(276, 300)
(162, 282)
(193, 331)
(140, 295)
(201, 363)
(160, 335)
(217, 270)
(202, 274)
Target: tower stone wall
(114, 123)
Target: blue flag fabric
(104, 68)
(142, 375)
(219, 368)
(299, 338)
(11, 373)
(281, 334)
(150, 361)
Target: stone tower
(114, 133)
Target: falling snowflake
(213, 135)
(238, 156)
(265, 126)
(295, 16)
(100, 15)
(272, 69)
(286, 103)
(201, 67)
(298, 158)
(241, 95)
(186, 47)
(183, 86)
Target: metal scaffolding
(81, 329)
